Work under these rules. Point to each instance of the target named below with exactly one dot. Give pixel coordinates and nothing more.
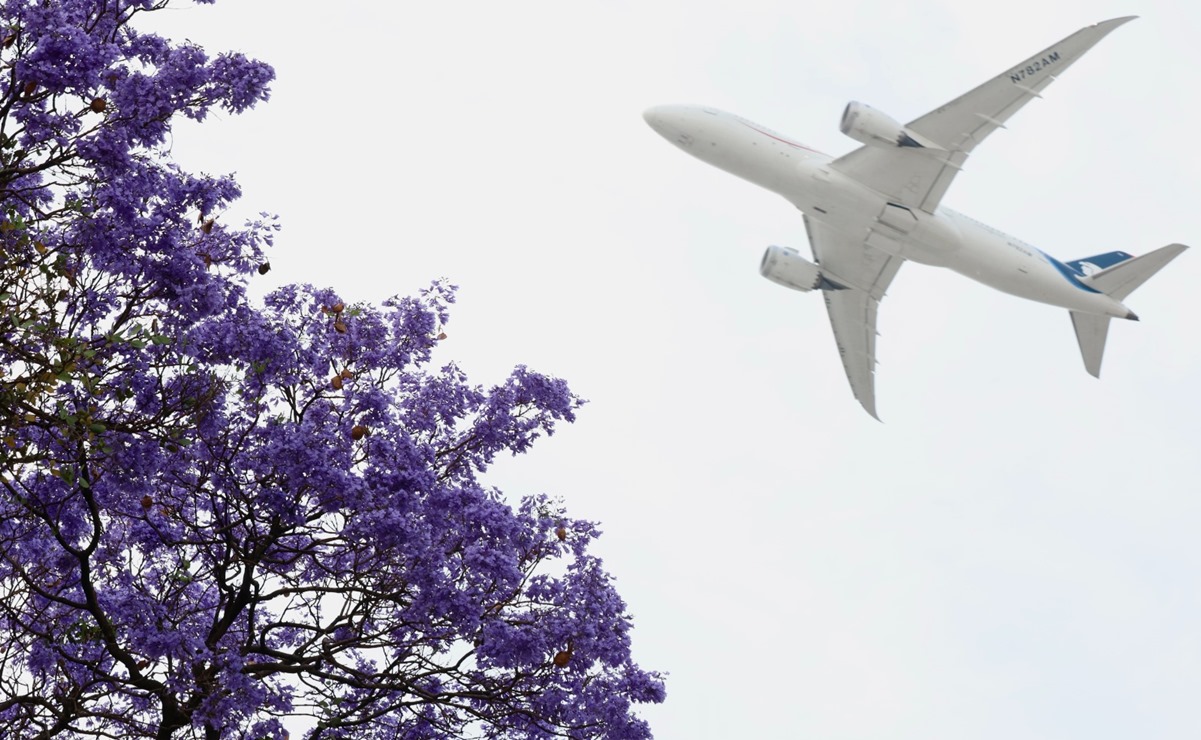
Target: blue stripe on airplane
(1068, 273)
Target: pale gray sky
(1013, 553)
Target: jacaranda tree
(216, 513)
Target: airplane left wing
(862, 273)
(918, 177)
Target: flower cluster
(216, 513)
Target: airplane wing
(863, 272)
(918, 177)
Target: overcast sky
(1013, 553)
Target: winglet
(869, 405)
(1112, 23)
(1115, 22)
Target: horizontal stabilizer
(1091, 330)
(1123, 278)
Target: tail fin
(1098, 262)
(1118, 279)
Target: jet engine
(785, 266)
(867, 125)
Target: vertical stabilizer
(1091, 330)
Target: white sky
(1013, 553)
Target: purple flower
(215, 513)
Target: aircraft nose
(669, 122)
(656, 117)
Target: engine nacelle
(785, 266)
(867, 125)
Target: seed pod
(346, 374)
(264, 268)
(561, 533)
(336, 382)
(562, 658)
(9, 39)
(147, 501)
(98, 105)
(441, 336)
(357, 432)
(337, 307)
(339, 326)
(30, 87)
(207, 226)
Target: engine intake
(785, 266)
(867, 125)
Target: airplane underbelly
(1013, 267)
(933, 241)
(1009, 268)
(909, 233)
(842, 203)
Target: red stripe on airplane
(779, 139)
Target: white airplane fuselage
(943, 238)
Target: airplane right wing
(861, 274)
(918, 177)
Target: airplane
(869, 211)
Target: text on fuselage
(1033, 67)
(1022, 249)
